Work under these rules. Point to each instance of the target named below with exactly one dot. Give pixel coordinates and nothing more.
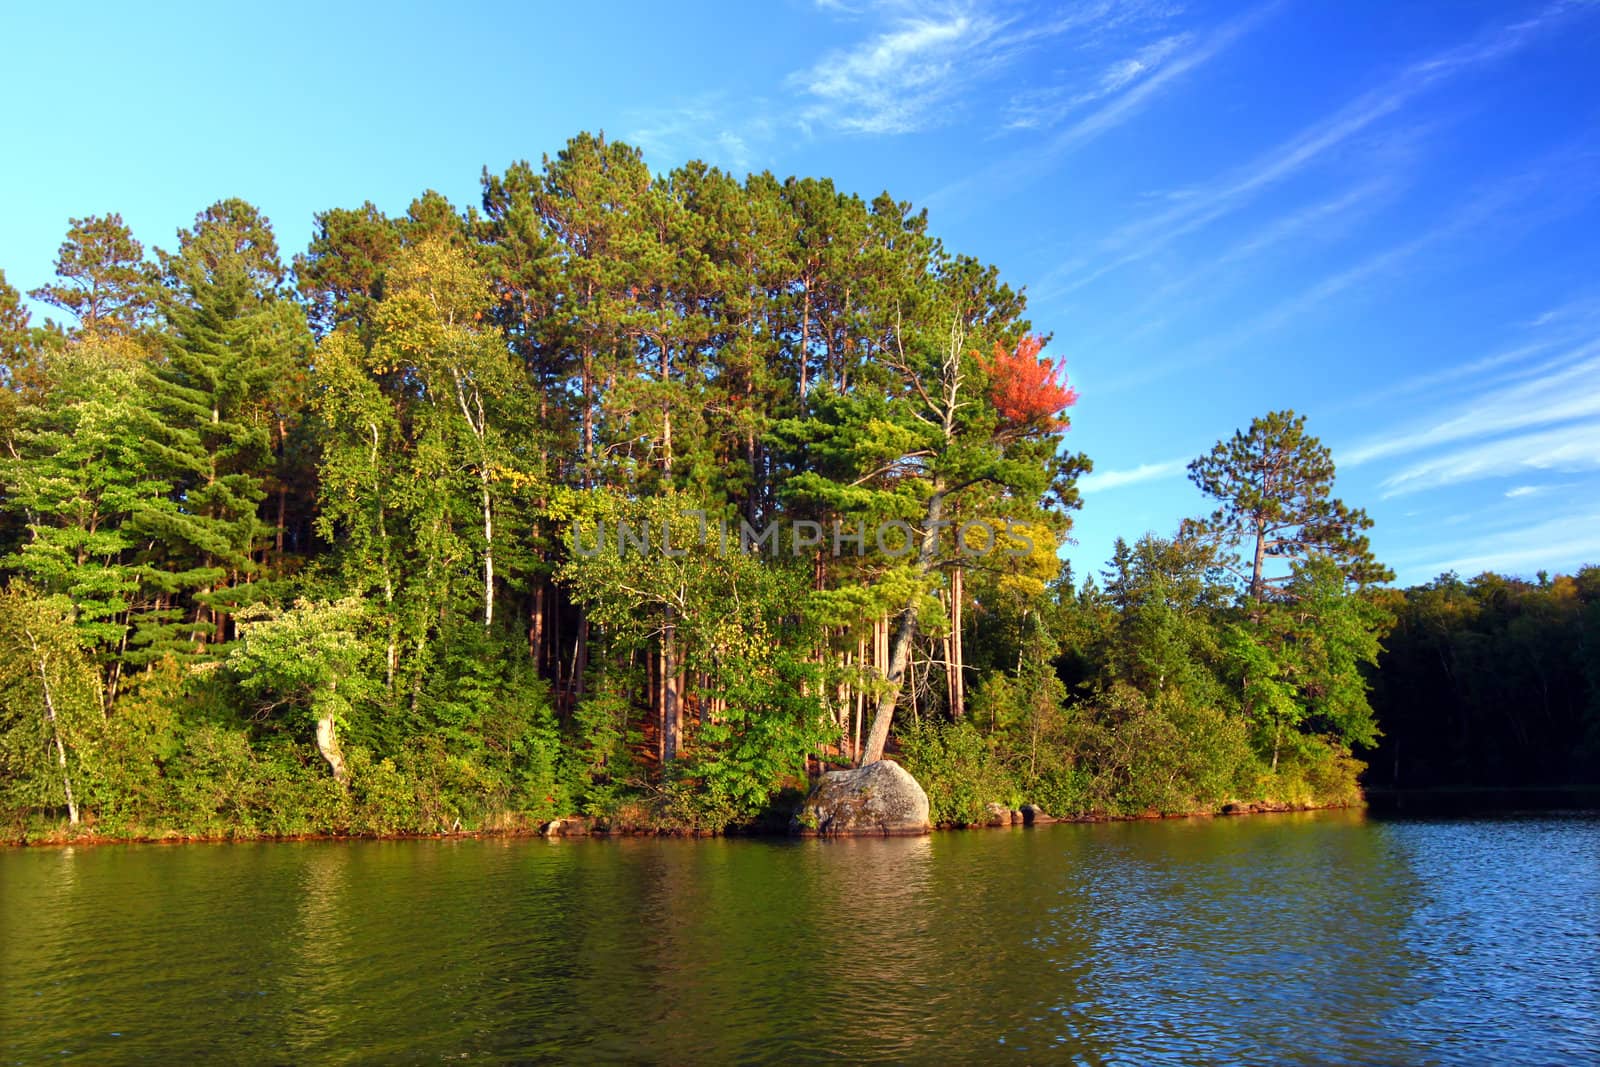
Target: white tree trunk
(55, 726)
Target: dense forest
(305, 546)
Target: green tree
(234, 342)
(48, 703)
(78, 471)
(921, 429)
(1274, 483)
(310, 659)
(104, 279)
(340, 276)
(16, 340)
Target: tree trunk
(900, 647)
(587, 373)
(1257, 590)
(958, 681)
(55, 727)
(536, 627)
(805, 340)
(328, 745)
(899, 653)
(580, 660)
(671, 694)
(488, 554)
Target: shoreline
(1439, 800)
(554, 829)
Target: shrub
(958, 768)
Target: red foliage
(1024, 388)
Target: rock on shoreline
(879, 799)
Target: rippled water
(1314, 939)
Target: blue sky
(1385, 216)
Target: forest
(295, 545)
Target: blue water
(1328, 938)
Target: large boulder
(880, 798)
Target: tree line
(288, 546)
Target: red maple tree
(1024, 388)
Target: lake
(1316, 938)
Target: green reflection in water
(1316, 938)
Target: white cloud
(1562, 543)
(1195, 208)
(894, 82)
(1554, 185)
(909, 75)
(1567, 448)
(1097, 481)
(1117, 109)
(1300, 226)
(1040, 108)
(1123, 107)
(699, 129)
(1570, 392)
(1523, 490)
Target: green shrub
(958, 768)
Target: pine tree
(1307, 629)
(234, 340)
(21, 373)
(105, 282)
(1275, 483)
(77, 471)
(340, 275)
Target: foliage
(1024, 389)
(294, 553)
(959, 769)
(1491, 681)
(50, 718)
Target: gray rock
(999, 814)
(880, 798)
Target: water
(1314, 939)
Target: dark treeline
(289, 547)
(1491, 682)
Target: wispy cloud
(1568, 393)
(1122, 107)
(1561, 543)
(700, 129)
(1520, 491)
(1489, 208)
(1213, 275)
(893, 82)
(1137, 88)
(1049, 106)
(1557, 184)
(911, 73)
(1568, 449)
(1099, 481)
(1581, 310)
(1198, 207)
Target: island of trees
(288, 547)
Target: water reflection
(1313, 939)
